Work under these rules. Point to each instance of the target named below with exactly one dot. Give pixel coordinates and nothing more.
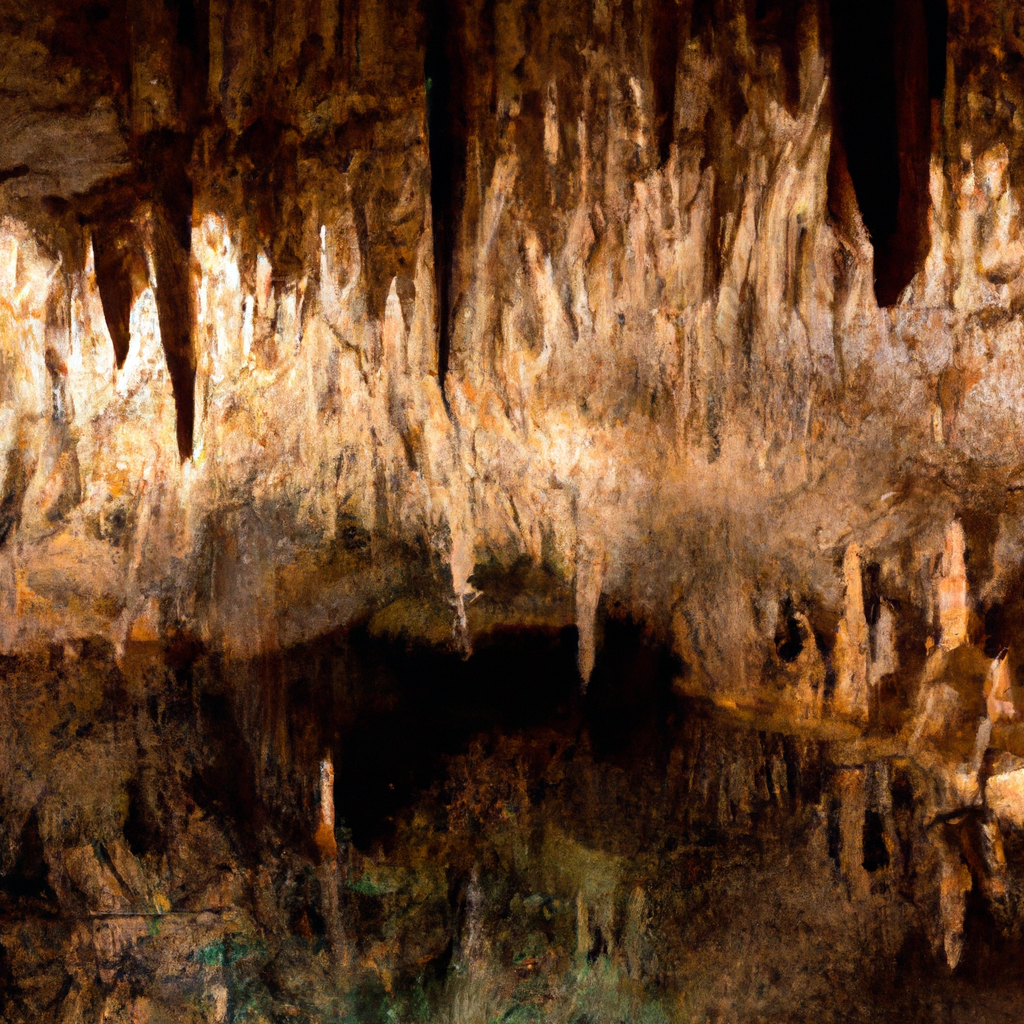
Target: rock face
(294, 295)
(422, 323)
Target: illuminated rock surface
(581, 440)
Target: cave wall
(373, 375)
(323, 312)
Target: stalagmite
(884, 659)
(808, 690)
(590, 571)
(954, 885)
(997, 689)
(852, 808)
(851, 649)
(951, 590)
(328, 870)
(325, 839)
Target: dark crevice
(10, 173)
(224, 784)
(143, 830)
(777, 23)
(888, 61)
(702, 18)
(192, 58)
(447, 129)
(29, 876)
(712, 420)
(629, 699)
(936, 16)
(15, 481)
(875, 852)
(664, 60)
(790, 639)
(981, 532)
(188, 34)
(834, 834)
(728, 161)
(872, 592)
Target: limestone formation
(345, 343)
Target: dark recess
(402, 712)
(875, 852)
(447, 129)
(888, 63)
(936, 15)
(664, 61)
(10, 173)
(29, 877)
(789, 641)
(425, 706)
(777, 23)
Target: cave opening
(888, 67)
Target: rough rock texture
(424, 323)
(633, 323)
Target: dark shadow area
(12, 173)
(422, 707)
(447, 128)
(789, 637)
(876, 854)
(629, 702)
(400, 713)
(888, 62)
(29, 877)
(664, 64)
(777, 23)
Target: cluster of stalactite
(490, 282)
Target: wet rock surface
(503, 847)
(365, 367)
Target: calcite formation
(428, 323)
(635, 323)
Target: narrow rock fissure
(888, 63)
(446, 132)
(664, 60)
